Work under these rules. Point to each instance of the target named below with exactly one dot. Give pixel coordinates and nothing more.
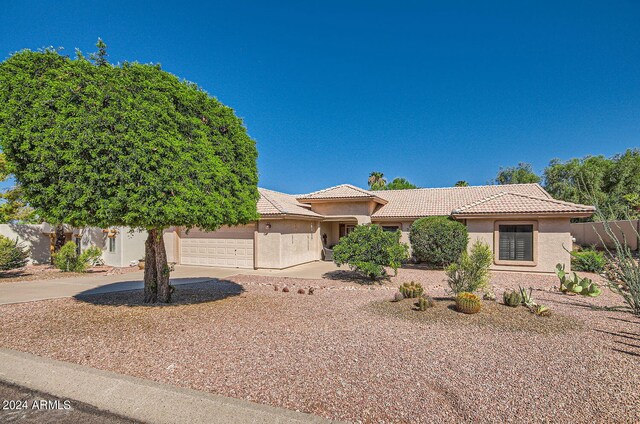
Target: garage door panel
(228, 247)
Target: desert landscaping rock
(336, 355)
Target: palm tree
(461, 183)
(376, 180)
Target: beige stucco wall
(287, 243)
(32, 238)
(593, 233)
(129, 247)
(554, 236)
(361, 210)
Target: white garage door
(228, 247)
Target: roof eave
(584, 214)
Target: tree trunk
(58, 239)
(156, 270)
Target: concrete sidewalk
(135, 398)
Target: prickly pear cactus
(575, 284)
(512, 298)
(468, 303)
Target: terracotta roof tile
(420, 202)
(509, 203)
(343, 191)
(273, 203)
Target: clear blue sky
(331, 90)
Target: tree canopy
(521, 174)
(91, 143)
(399, 184)
(461, 183)
(377, 181)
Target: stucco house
(527, 229)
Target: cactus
(285, 289)
(311, 290)
(468, 303)
(411, 290)
(301, 291)
(575, 284)
(512, 298)
(489, 294)
(398, 297)
(541, 310)
(425, 302)
(527, 299)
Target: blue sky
(430, 91)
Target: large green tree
(399, 184)
(521, 174)
(613, 183)
(96, 144)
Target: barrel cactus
(512, 298)
(425, 302)
(411, 290)
(468, 303)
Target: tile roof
(420, 202)
(273, 203)
(342, 191)
(509, 203)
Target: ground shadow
(353, 277)
(187, 292)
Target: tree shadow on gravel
(353, 277)
(185, 293)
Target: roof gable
(273, 203)
(415, 203)
(341, 192)
(516, 203)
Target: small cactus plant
(468, 303)
(541, 310)
(398, 297)
(301, 291)
(512, 298)
(576, 285)
(411, 290)
(489, 294)
(285, 289)
(311, 290)
(425, 302)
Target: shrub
(12, 254)
(368, 249)
(68, 260)
(471, 272)
(438, 240)
(588, 260)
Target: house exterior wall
(554, 236)
(30, 235)
(287, 243)
(361, 210)
(129, 247)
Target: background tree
(13, 207)
(612, 183)
(376, 181)
(461, 183)
(399, 184)
(521, 174)
(95, 144)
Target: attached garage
(230, 247)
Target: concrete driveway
(29, 291)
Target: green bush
(588, 260)
(438, 240)
(12, 254)
(471, 272)
(368, 249)
(68, 260)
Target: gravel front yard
(48, 272)
(341, 354)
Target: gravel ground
(48, 272)
(334, 354)
(20, 405)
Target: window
(390, 228)
(516, 243)
(112, 244)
